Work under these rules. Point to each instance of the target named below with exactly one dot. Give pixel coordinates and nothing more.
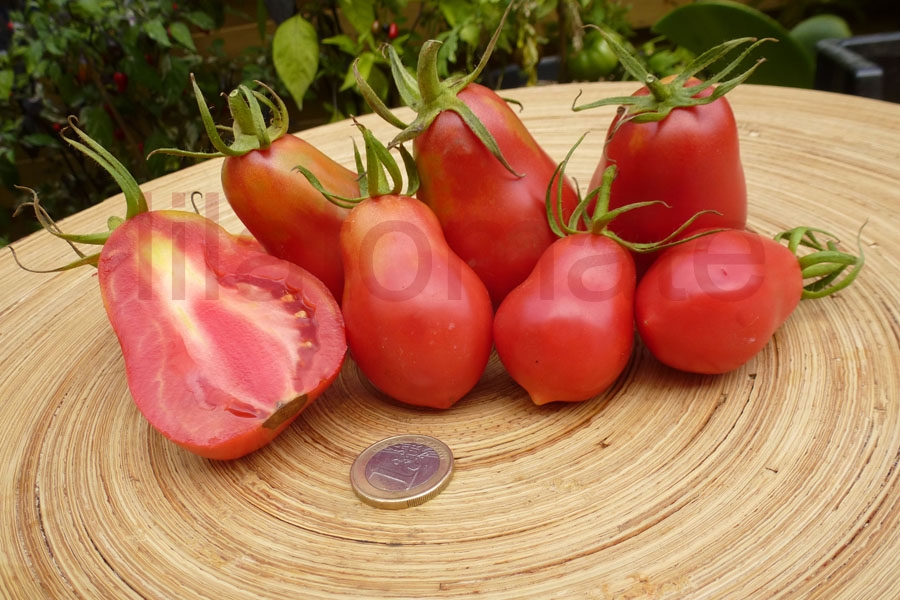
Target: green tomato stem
(429, 96)
(826, 268)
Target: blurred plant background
(122, 66)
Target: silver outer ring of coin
(419, 493)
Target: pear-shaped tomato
(418, 318)
(566, 333)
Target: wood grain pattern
(779, 480)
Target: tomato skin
(224, 345)
(690, 160)
(709, 305)
(495, 221)
(418, 319)
(284, 212)
(566, 333)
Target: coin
(402, 471)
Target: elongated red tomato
(711, 304)
(566, 333)
(291, 220)
(418, 318)
(690, 160)
(493, 219)
(480, 169)
(224, 345)
(674, 141)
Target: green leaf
(39, 139)
(157, 32)
(182, 35)
(92, 9)
(703, 24)
(295, 53)
(7, 79)
(360, 13)
(344, 43)
(200, 19)
(364, 66)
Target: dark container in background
(865, 65)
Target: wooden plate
(777, 480)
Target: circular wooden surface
(779, 480)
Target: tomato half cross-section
(224, 346)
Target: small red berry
(121, 81)
(393, 31)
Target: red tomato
(418, 318)
(493, 219)
(566, 333)
(284, 212)
(224, 345)
(289, 217)
(709, 305)
(690, 160)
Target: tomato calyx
(379, 174)
(135, 202)
(429, 96)
(249, 131)
(592, 213)
(680, 91)
(829, 269)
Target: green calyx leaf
(248, 132)
(135, 201)
(665, 97)
(429, 96)
(592, 213)
(379, 173)
(822, 263)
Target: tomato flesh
(224, 345)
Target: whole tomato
(595, 59)
(674, 141)
(566, 333)
(418, 318)
(482, 172)
(290, 218)
(499, 224)
(711, 304)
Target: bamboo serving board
(779, 480)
